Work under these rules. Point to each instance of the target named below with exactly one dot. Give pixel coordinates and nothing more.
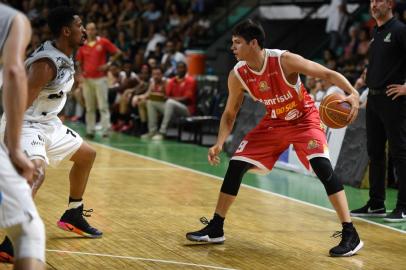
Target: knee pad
(28, 239)
(322, 167)
(235, 172)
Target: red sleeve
(169, 87)
(190, 92)
(79, 55)
(110, 47)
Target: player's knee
(28, 239)
(322, 168)
(232, 180)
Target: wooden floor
(145, 207)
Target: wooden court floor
(145, 207)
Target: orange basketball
(333, 113)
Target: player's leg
(73, 219)
(20, 219)
(28, 239)
(350, 242)
(213, 232)
(258, 149)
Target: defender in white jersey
(18, 215)
(44, 138)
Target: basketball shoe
(369, 211)
(6, 251)
(212, 233)
(397, 215)
(73, 221)
(349, 244)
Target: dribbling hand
(353, 99)
(213, 155)
(22, 164)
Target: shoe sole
(6, 258)
(368, 215)
(70, 228)
(350, 253)
(206, 238)
(392, 220)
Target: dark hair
(250, 30)
(60, 17)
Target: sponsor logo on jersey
(263, 86)
(37, 143)
(293, 114)
(312, 144)
(277, 99)
(387, 38)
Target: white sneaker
(158, 137)
(147, 135)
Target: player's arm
(293, 64)
(40, 73)
(234, 101)
(15, 91)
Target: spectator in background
(92, 61)
(181, 98)
(313, 86)
(364, 40)
(171, 58)
(386, 110)
(336, 21)
(155, 99)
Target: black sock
(217, 219)
(348, 225)
(74, 200)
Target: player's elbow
(14, 72)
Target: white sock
(73, 205)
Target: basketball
(333, 113)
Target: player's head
(65, 23)
(380, 9)
(91, 30)
(246, 37)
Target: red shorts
(263, 145)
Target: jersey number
(241, 147)
(68, 131)
(55, 96)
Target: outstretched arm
(234, 101)
(293, 63)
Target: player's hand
(213, 155)
(22, 164)
(353, 99)
(104, 67)
(396, 90)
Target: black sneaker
(73, 221)
(397, 215)
(368, 211)
(349, 244)
(212, 233)
(6, 251)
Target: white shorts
(16, 203)
(49, 142)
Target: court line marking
(245, 185)
(137, 259)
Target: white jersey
(52, 97)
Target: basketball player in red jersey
(272, 78)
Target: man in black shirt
(386, 110)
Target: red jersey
(284, 102)
(183, 88)
(92, 57)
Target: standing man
(45, 140)
(386, 110)
(92, 58)
(18, 215)
(272, 78)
